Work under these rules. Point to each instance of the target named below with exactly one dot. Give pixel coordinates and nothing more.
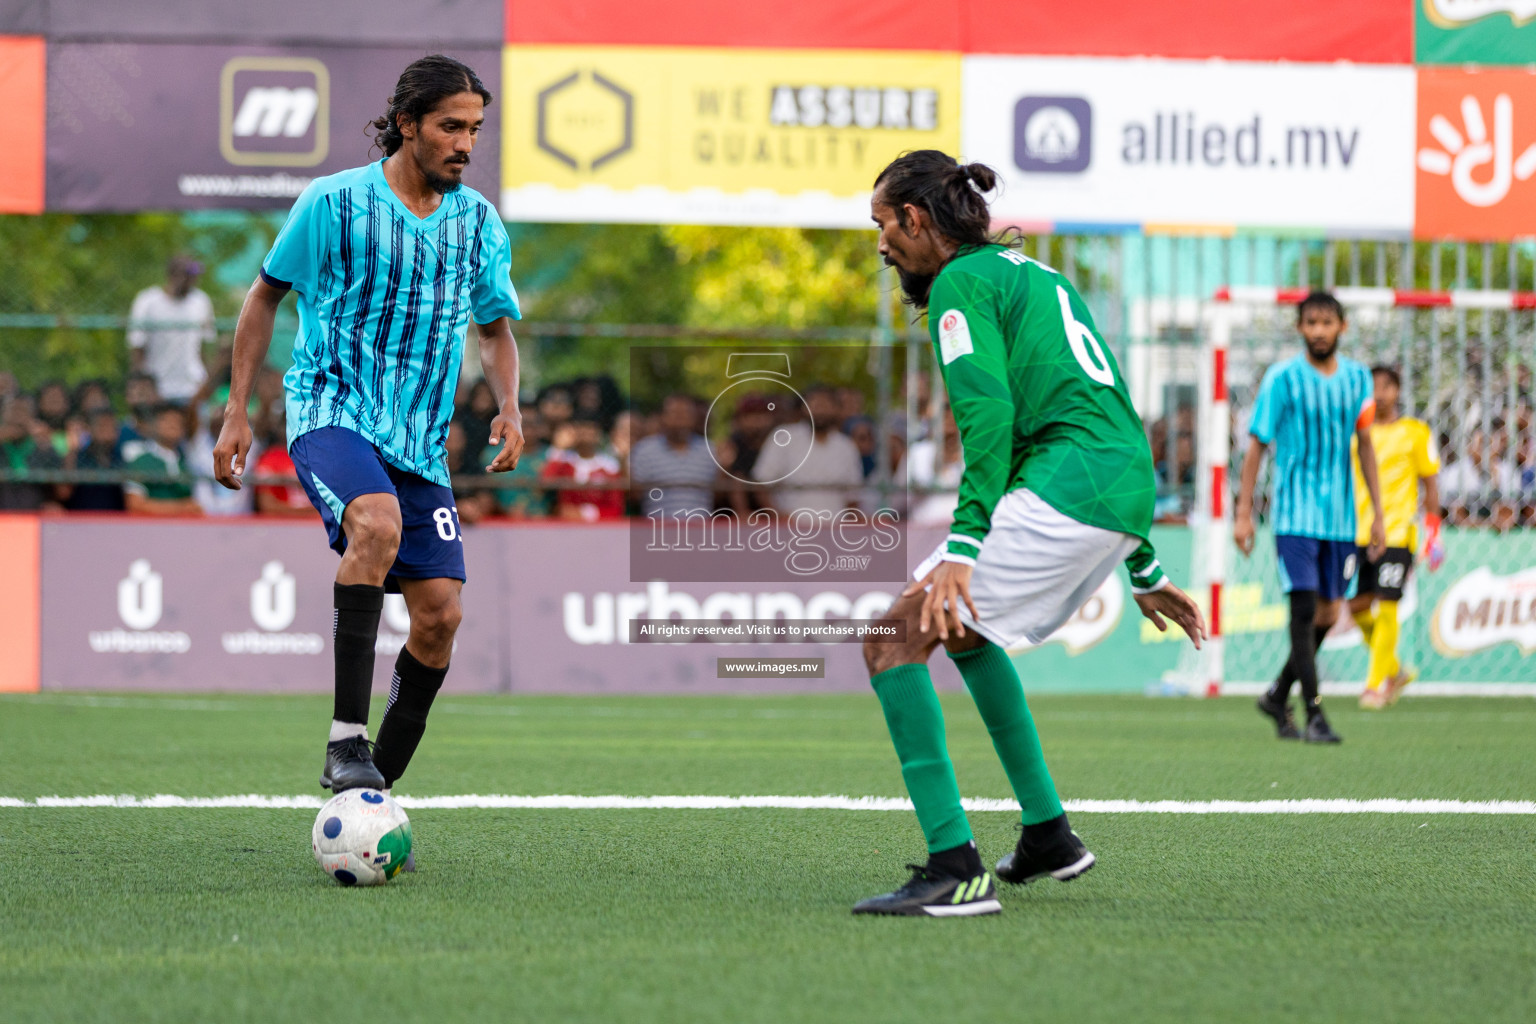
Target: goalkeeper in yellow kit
(1406, 454)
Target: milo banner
(1475, 32)
(1470, 626)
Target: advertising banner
(1154, 143)
(425, 24)
(21, 95)
(1476, 154)
(136, 127)
(1366, 31)
(131, 604)
(1475, 32)
(19, 561)
(1472, 623)
(822, 24)
(628, 134)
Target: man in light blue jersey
(390, 262)
(1308, 407)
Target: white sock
(346, 730)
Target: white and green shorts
(1036, 567)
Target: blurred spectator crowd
(147, 446)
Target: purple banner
(182, 126)
(246, 605)
(187, 605)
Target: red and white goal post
(1459, 352)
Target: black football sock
(1047, 833)
(1280, 691)
(356, 631)
(1305, 639)
(963, 861)
(405, 718)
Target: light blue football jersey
(385, 298)
(1311, 419)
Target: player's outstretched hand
(229, 453)
(1242, 534)
(1176, 605)
(509, 428)
(948, 584)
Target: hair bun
(984, 176)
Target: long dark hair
(950, 191)
(422, 86)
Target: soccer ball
(361, 837)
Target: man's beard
(1326, 354)
(914, 286)
(442, 184)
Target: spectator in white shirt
(831, 473)
(167, 328)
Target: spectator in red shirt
(280, 499)
(586, 463)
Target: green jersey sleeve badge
(954, 336)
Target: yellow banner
(770, 136)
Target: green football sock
(994, 684)
(913, 715)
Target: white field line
(807, 803)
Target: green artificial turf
(117, 914)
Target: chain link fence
(1466, 371)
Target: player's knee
(880, 655)
(374, 531)
(874, 657)
(437, 622)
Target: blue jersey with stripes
(385, 298)
(1311, 419)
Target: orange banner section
(1476, 154)
(22, 72)
(20, 603)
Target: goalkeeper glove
(1434, 550)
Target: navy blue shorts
(1326, 566)
(336, 465)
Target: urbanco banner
(1204, 144)
(135, 605)
(673, 135)
(185, 126)
(246, 606)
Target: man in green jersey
(1057, 489)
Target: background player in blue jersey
(390, 263)
(1308, 406)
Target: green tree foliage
(779, 277)
(82, 268)
(716, 278)
(86, 267)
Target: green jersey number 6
(1090, 356)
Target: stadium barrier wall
(19, 608)
(99, 603)
(129, 604)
